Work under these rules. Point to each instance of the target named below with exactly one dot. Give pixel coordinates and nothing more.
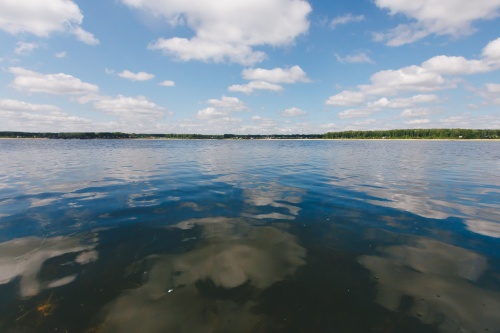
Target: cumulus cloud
(59, 84)
(268, 79)
(417, 122)
(440, 17)
(345, 19)
(411, 78)
(355, 58)
(430, 76)
(405, 102)
(491, 93)
(44, 17)
(254, 85)
(425, 78)
(276, 75)
(228, 30)
(452, 65)
(223, 107)
(24, 48)
(356, 113)
(129, 107)
(167, 83)
(84, 36)
(20, 106)
(294, 112)
(346, 98)
(140, 76)
(23, 116)
(417, 112)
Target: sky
(248, 66)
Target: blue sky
(248, 66)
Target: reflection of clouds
(431, 179)
(143, 199)
(417, 204)
(232, 254)
(41, 202)
(273, 195)
(69, 166)
(486, 228)
(263, 197)
(24, 258)
(237, 253)
(439, 279)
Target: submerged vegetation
(443, 133)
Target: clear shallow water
(249, 236)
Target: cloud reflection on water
(197, 291)
(440, 280)
(25, 257)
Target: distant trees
(119, 135)
(438, 133)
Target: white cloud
(405, 102)
(167, 83)
(59, 84)
(140, 76)
(254, 85)
(131, 108)
(491, 93)
(417, 122)
(440, 17)
(346, 98)
(267, 79)
(355, 58)
(228, 30)
(210, 112)
(43, 17)
(412, 78)
(84, 36)
(294, 112)
(23, 116)
(491, 52)
(348, 18)
(60, 54)
(195, 49)
(454, 65)
(276, 75)
(425, 78)
(24, 48)
(451, 65)
(356, 113)
(20, 106)
(417, 112)
(223, 107)
(493, 88)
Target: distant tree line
(443, 133)
(120, 135)
(435, 133)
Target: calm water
(252, 236)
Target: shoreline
(175, 139)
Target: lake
(249, 236)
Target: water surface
(249, 236)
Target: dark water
(253, 236)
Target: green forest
(443, 133)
